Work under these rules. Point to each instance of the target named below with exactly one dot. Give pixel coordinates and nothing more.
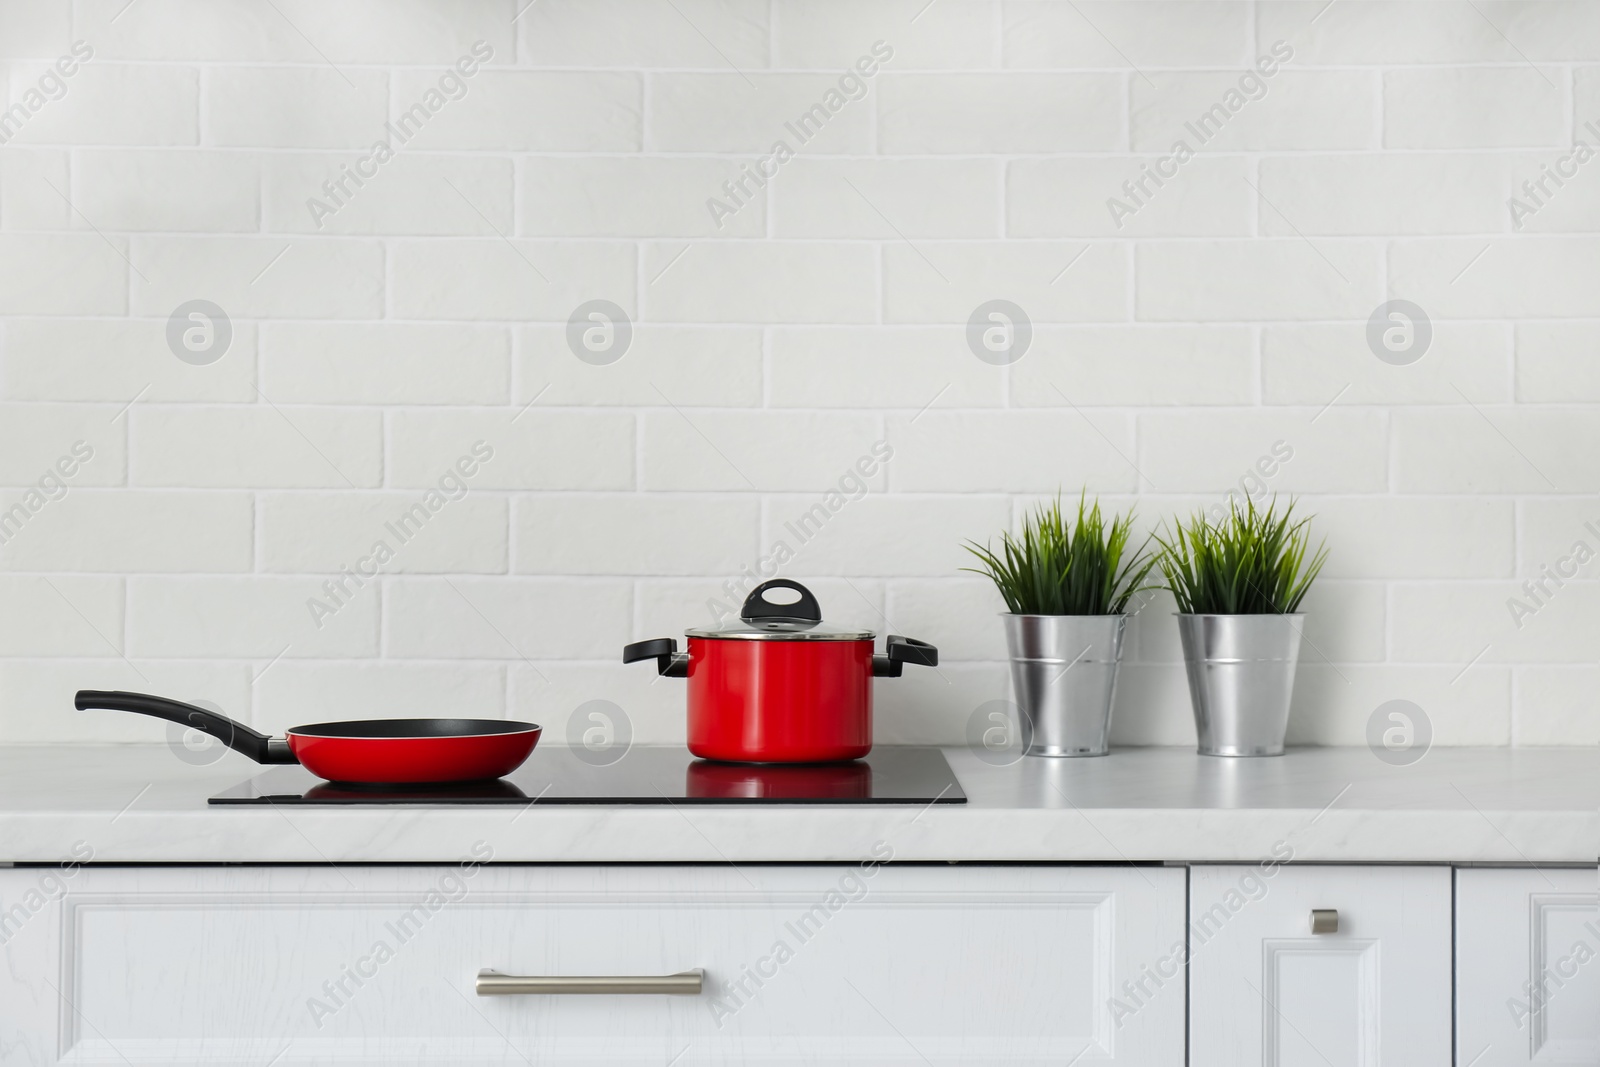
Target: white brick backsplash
(1471, 277)
(36, 697)
(1292, 451)
(744, 281)
(1085, 196)
(1388, 194)
(1052, 282)
(641, 535)
(617, 196)
(321, 533)
(1017, 452)
(969, 114)
(1333, 706)
(533, 449)
(1152, 706)
(886, 199)
(523, 111)
(1454, 623)
(1136, 366)
(385, 363)
(617, 33)
(1313, 364)
(255, 446)
(748, 451)
(785, 309)
(1546, 371)
(167, 190)
(254, 617)
(1550, 530)
(1230, 111)
(1401, 537)
(148, 531)
(833, 34)
(288, 277)
(33, 188)
(293, 694)
(1497, 449)
(749, 113)
(558, 696)
(1474, 107)
(500, 279)
(114, 104)
(116, 360)
(506, 619)
(410, 194)
(34, 30)
(877, 367)
(295, 31)
(61, 615)
(1280, 279)
(700, 366)
(63, 274)
(38, 438)
(295, 107)
(1556, 706)
(960, 617)
(1585, 102)
(1117, 35)
(1540, 200)
(881, 534)
(1424, 32)
(934, 706)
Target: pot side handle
(237, 736)
(670, 663)
(899, 652)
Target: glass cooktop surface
(643, 774)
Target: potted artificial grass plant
(1239, 582)
(1066, 584)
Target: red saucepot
(780, 685)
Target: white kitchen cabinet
(803, 965)
(1267, 991)
(1527, 967)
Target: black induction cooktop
(644, 774)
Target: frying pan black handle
(670, 663)
(237, 736)
(900, 651)
(757, 606)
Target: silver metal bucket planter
(1241, 677)
(1064, 671)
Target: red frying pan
(369, 751)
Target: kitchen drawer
(1513, 925)
(1266, 990)
(824, 965)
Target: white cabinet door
(1266, 990)
(803, 965)
(1527, 967)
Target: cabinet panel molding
(1528, 967)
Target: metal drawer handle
(1324, 920)
(682, 984)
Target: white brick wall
(423, 311)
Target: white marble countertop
(139, 804)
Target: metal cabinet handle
(1324, 920)
(684, 983)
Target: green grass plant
(1251, 562)
(1067, 566)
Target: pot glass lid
(764, 619)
